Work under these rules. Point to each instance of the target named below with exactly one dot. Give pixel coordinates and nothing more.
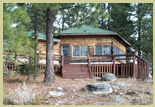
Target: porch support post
(114, 59)
(89, 68)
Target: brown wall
(91, 41)
(42, 47)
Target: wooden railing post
(134, 72)
(89, 69)
(114, 59)
(62, 60)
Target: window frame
(102, 49)
(62, 53)
(79, 51)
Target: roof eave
(70, 34)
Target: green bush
(11, 74)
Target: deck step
(71, 76)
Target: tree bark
(49, 73)
(35, 48)
(139, 30)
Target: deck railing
(8, 66)
(125, 65)
(57, 67)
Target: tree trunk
(139, 31)
(49, 73)
(109, 11)
(28, 76)
(63, 22)
(35, 49)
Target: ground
(138, 93)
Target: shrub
(22, 95)
(11, 74)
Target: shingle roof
(42, 36)
(87, 30)
(84, 29)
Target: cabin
(84, 52)
(88, 51)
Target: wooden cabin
(77, 43)
(89, 51)
(41, 48)
(83, 52)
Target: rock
(115, 86)
(87, 79)
(57, 104)
(97, 103)
(108, 77)
(98, 88)
(60, 88)
(97, 78)
(81, 96)
(77, 79)
(147, 92)
(121, 84)
(56, 93)
(115, 90)
(118, 98)
(149, 80)
(120, 93)
(73, 90)
(131, 93)
(72, 103)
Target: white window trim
(80, 51)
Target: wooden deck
(123, 66)
(128, 65)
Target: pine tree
(14, 37)
(144, 31)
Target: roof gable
(87, 30)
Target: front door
(65, 52)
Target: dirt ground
(138, 93)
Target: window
(102, 50)
(76, 51)
(65, 50)
(83, 50)
(98, 50)
(79, 50)
(118, 51)
(106, 49)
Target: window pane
(114, 48)
(76, 51)
(83, 50)
(98, 50)
(106, 49)
(65, 50)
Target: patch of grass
(44, 98)
(37, 101)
